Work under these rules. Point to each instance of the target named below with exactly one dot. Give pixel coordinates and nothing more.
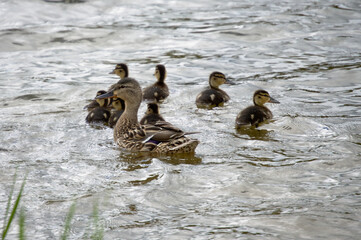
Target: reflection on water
(136, 160)
(297, 177)
(255, 133)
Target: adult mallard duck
(214, 96)
(99, 113)
(119, 106)
(258, 113)
(159, 90)
(151, 115)
(121, 69)
(129, 134)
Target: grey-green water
(295, 178)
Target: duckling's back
(157, 92)
(114, 117)
(212, 98)
(99, 114)
(253, 115)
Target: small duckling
(214, 96)
(96, 102)
(151, 115)
(100, 113)
(121, 69)
(159, 90)
(119, 106)
(257, 114)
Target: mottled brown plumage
(129, 134)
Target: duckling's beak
(106, 95)
(112, 72)
(229, 82)
(272, 100)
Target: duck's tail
(180, 145)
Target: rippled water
(295, 178)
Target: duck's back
(253, 115)
(160, 138)
(212, 97)
(156, 92)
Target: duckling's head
(121, 69)
(160, 73)
(152, 109)
(217, 78)
(127, 89)
(102, 102)
(118, 104)
(260, 97)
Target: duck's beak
(112, 72)
(230, 82)
(272, 100)
(106, 95)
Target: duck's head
(127, 89)
(152, 108)
(121, 69)
(118, 104)
(217, 78)
(160, 73)
(101, 102)
(260, 97)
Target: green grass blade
(98, 233)
(68, 219)
(8, 204)
(22, 224)
(15, 207)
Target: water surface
(295, 178)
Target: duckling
(214, 96)
(100, 113)
(151, 115)
(96, 102)
(118, 105)
(257, 114)
(161, 138)
(159, 90)
(121, 69)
